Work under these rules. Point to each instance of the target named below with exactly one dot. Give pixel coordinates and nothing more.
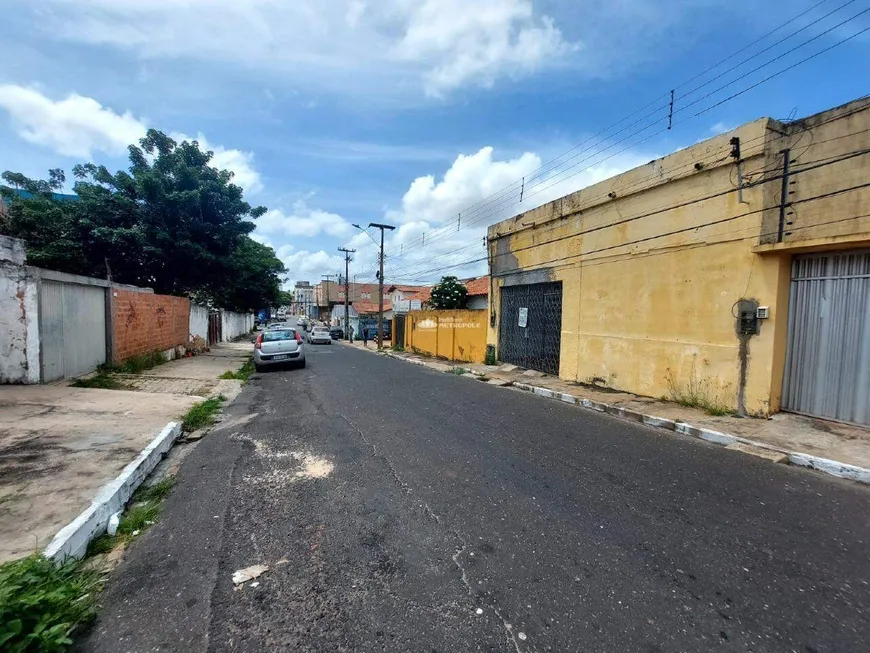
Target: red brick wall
(145, 322)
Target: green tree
(172, 222)
(285, 298)
(449, 293)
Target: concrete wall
(234, 325)
(198, 326)
(19, 316)
(653, 262)
(144, 322)
(455, 335)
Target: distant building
(478, 293)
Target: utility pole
(347, 253)
(382, 227)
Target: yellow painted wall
(455, 335)
(653, 261)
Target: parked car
(336, 333)
(319, 334)
(279, 326)
(278, 347)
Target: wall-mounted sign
(524, 317)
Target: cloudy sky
(414, 112)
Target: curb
(800, 459)
(73, 539)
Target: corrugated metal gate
(72, 319)
(828, 364)
(530, 327)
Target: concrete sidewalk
(843, 443)
(59, 445)
(198, 375)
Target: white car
(278, 347)
(320, 334)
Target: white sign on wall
(524, 317)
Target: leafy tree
(171, 222)
(449, 293)
(285, 298)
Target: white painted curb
(72, 540)
(831, 467)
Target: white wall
(19, 316)
(477, 303)
(199, 322)
(235, 324)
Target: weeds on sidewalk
(202, 414)
(697, 393)
(136, 364)
(42, 605)
(101, 380)
(242, 374)
(144, 509)
(458, 370)
(398, 348)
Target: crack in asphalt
(463, 575)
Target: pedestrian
(350, 334)
(365, 337)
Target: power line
(806, 168)
(469, 214)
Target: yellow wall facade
(455, 335)
(653, 262)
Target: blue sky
(332, 112)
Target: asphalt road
(400, 509)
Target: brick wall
(145, 322)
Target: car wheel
(302, 365)
(258, 368)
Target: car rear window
(321, 330)
(273, 336)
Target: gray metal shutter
(72, 329)
(828, 362)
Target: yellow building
(733, 274)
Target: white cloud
(75, 126)
(241, 163)
(459, 45)
(429, 242)
(79, 126)
(310, 265)
(444, 44)
(303, 222)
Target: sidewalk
(59, 445)
(783, 432)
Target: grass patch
(101, 380)
(697, 393)
(458, 370)
(201, 414)
(137, 364)
(144, 509)
(489, 359)
(242, 374)
(42, 605)
(398, 348)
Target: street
(399, 509)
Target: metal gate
(72, 320)
(530, 328)
(215, 328)
(828, 363)
(399, 330)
